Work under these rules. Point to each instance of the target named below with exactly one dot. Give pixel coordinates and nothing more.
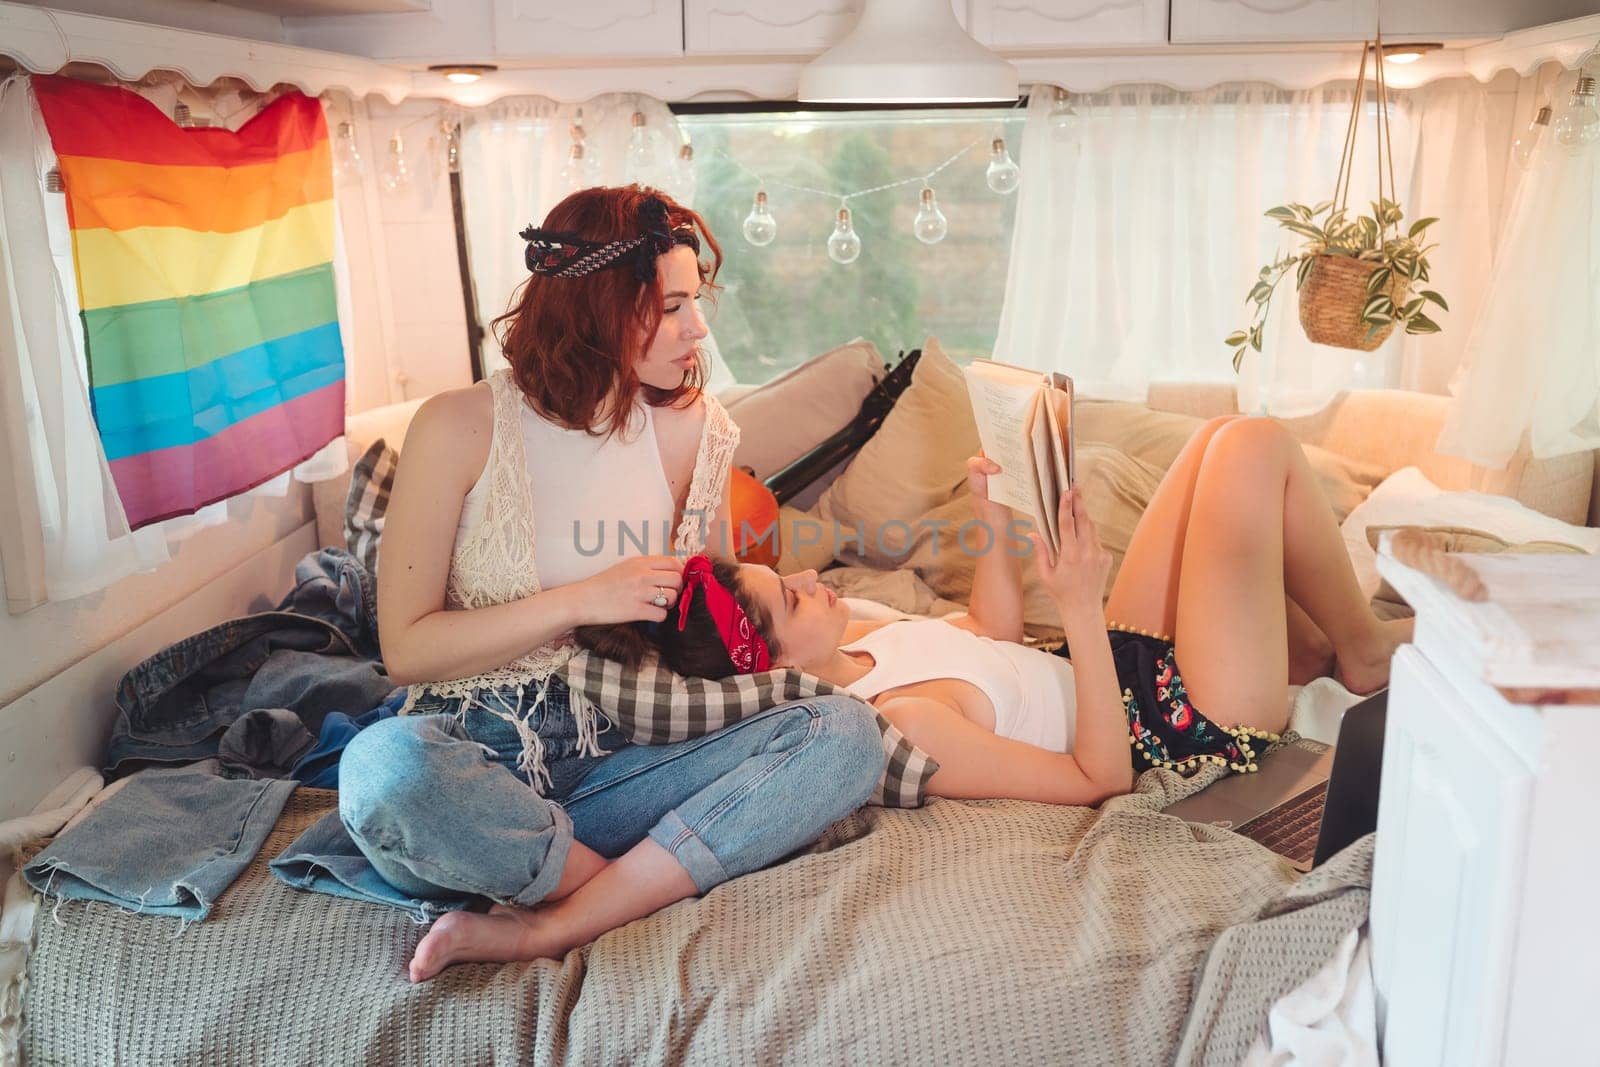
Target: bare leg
(1310, 651)
(1145, 595)
(643, 880)
(1260, 529)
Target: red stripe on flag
(110, 122)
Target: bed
(992, 931)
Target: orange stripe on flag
(111, 194)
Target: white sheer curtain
(1140, 230)
(1532, 369)
(87, 542)
(512, 155)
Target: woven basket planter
(1333, 296)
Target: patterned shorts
(1165, 729)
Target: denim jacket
(316, 652)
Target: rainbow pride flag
(205, 274)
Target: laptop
(1307, 801)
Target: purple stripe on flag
(180, 480)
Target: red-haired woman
(547, 498)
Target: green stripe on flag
(135, 341)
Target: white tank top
(1032, 691)
(616, 483)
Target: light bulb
(1063, 116)
(930, 225)
(682, 178)
(641, 153)
(347, 163)
(843, 244)
(1523, 148)
(759, 226)
(575, 172)
(1003, 174)
(1579, 125)
(395, 176)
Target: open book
(1025, 424)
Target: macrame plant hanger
(1335, 296)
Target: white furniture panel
(1450, 843)
(765, 27)
(597, 28)
(1272, 20)
(1055, 24)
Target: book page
(1001, 401)
(1042, 487)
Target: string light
(844, 247)
(844, 244)
(395, 176)
(681, 178)
(1003, 174)
(759, 226)
(1579, 125)
(1523, 148)
(347, 163)
(641, 158)
(930, 225)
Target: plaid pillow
(370, 482)
(653, 706)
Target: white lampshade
(907, 52)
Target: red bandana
(745, 646)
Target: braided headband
(566, 255)
(745, 646)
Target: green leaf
(1238, 358)
(1422, 275)
(1377, 280)
(1422, 324)
(1375, 327)
(1415, 269)
(1411, 308)
(1303, 230)
(1429, 294)
(1280, 213)
(1238, 337)
(1260, 292)
(1378, 306)
(1255, 337)
(1420, 225)
(1320, 208)
(1304, 271)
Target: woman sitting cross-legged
(1237, 529)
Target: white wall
(41, 642)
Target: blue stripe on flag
(180, 409)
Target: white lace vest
(495, 561)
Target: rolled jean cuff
(674, 835)
(555, 860)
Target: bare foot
(501, 936)
(1369, 672)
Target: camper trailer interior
(666, 532)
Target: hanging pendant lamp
(907, 52)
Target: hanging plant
(1355, 283)
(1355, 277)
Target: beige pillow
(784, 419)
(1157, 437)
(911, 465)
(1117, 487)
(1390, 604)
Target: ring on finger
(661, 599)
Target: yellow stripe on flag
(166, 262)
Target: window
(783, 303)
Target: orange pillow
(753, 508)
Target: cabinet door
(766, 27)
(598, 28)
(1273, 20)
(1068, 23)
(1447, 875)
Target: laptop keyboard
(1291, 828)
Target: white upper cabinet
(1055, 24)
(600, 28)
(765, 27)
(1272, 20)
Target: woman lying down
(1237, 530)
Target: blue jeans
(436, 805)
